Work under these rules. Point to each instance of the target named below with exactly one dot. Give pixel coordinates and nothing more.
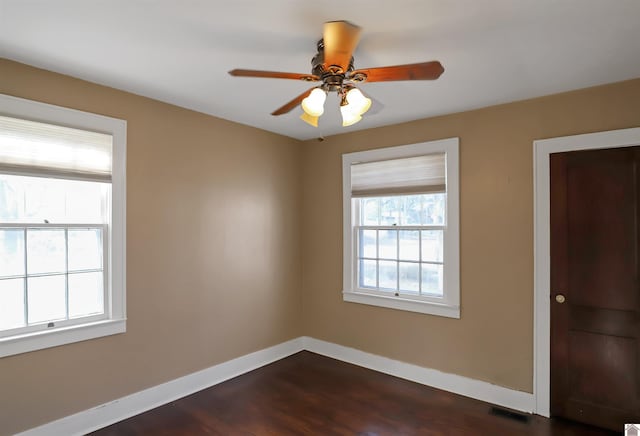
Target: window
(62, 226)
(401, 243)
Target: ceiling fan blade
(293, 103)
(273, 75)
(422, 71)
(340, 40)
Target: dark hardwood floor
(308, 394)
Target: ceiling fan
(333, 67)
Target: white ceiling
(493, 51)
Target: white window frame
(449, 304)
(114, 320)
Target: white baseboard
(501, 396)
(126, 407)
(134, 404)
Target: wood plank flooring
(309, 394)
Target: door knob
(560, 298)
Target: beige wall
(204, 195)
(493, 340)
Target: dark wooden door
(595, 349)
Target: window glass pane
(432, 245)
(388, 275)
(433, 212)
(410, 277)
(411, 208)
(11, 253)
(390, 211)
(11, 303)
(388, 244)
(432, 279)
(367, 244)
(43, 201)
(46, 298)
(409, 244)
(11, 199)
(84, 202)
(36, 199)
(86, 295)
(369, 211)
(46, 251)
(368, 274)
(85, 249)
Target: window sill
(402, 303)
(12, 345)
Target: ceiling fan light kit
(309, 119)
(333, 66)
(314, 104)
(353, 105)
(349, 118)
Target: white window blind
(40, 149)
(420, 174)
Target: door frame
(541, 245)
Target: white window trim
(450, 306)
(115, 306)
